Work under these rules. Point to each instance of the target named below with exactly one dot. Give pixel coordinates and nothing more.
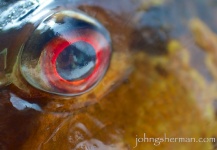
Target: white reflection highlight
(39, 15)
(21, 104)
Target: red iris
(53, 49)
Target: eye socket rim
(100, 29)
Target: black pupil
(76, 62)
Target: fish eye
(67, 54)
